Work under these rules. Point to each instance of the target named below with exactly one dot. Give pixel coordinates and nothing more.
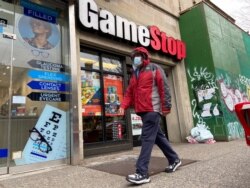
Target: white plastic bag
(201, 133)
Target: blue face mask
(137, 61)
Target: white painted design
(205, 94)
(206, 110)
(204, 85)
(244, 80)
(231, 96)
(223, 89)
(216, 112)
(229, 102)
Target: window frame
(102, 73)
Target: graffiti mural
(245, 81)
(205, 90)
(233, 89)
(213, 100)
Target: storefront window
(89, 60)
(91, 106)
(35, 89)
(113, 94)
(112, 64)
(91, 94)
(93, 131)
(102, 93)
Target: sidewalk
(223, 164)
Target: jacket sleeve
(128, 98)
(163, 88)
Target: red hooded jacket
(149, 91)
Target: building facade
(106, 34)
(65, 66)
(217, 69)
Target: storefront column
(183, 108)
(76, 121)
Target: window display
(113, 93)
(35, 87)
(102, 93)
(91, 93)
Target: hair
(45, 24)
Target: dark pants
(152, 134)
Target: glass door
(34, 86)
(6, 59)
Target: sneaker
(173, 167)
(138, 178)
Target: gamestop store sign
(102, 20)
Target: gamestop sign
(104, 21)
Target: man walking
(149, 94)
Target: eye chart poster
(47, 139)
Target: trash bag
(201, 133)
(191, 140)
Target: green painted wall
(217, 65)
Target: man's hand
(121, 111)
(165, 112)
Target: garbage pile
(200, 134)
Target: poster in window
(113, 94)
(47, 139)
(136, 123)
(91, 94)
(38, 40)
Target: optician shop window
(34, 83)
(102, 86)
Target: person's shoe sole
(138, 182)
(179, 164)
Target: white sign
(47, 139)
(136, 123)
(18, 99)
(104, 21)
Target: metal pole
(76, 120)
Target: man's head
(139, 55)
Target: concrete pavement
(223, 164)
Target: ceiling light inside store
(109, 66)
(87, 61)
(96, 64)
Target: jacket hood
(144, 52)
